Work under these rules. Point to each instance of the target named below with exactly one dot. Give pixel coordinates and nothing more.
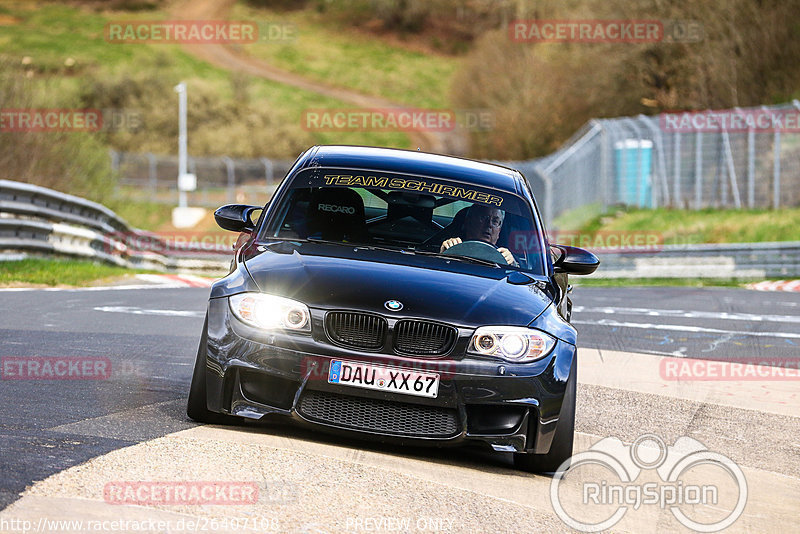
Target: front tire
(561, 448)
(196, 407)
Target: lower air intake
(372, 415)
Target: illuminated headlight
(271, 312)
(511, 343)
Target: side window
(444, 214)
(294, 221)
(374, 206)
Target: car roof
(412, 162)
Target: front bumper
(511, 407)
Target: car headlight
(271, 312)
(511, 343)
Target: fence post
(548, 201)
(731, 169)
(676, 168)
(547, 210)
(698, 171)
(722, 173)
(268, 171)
(776, 170)
(151, 174)
(231, 179)
(605, 163)
(751, 168)
(114, 160)
(658, 150)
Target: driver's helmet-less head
(483, 223)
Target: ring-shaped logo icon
(393, 305)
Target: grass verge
(649, 282)
(58, 272)
(683, 227)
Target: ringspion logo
(703, 490)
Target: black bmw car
(401, 296)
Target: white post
(184, 216)
(181, 90)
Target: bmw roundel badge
(393, 305)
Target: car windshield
(410, 214)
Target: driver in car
(483, 223)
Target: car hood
(347, 277)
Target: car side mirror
(236, 217)
(574, 260)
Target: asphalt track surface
(150, 337)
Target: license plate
(394, 379)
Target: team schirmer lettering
(414, 185)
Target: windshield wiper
(466, 259)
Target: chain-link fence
(737, 158)
(220, 180)
(740, 158)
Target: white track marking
(686, 314)
(682, 328)
(155, 281)
(97, 288)
(142, 311)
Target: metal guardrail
(725, 261)
(39, 220)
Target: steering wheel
(480, 250)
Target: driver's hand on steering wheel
(449, 243)
(502, 250)
(507, 255)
